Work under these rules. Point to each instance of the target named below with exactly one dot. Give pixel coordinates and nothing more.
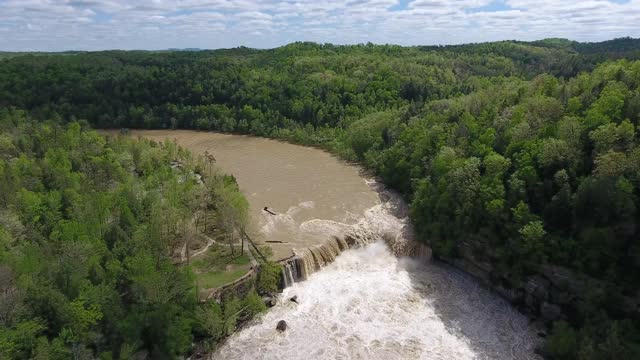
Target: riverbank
(299, 184)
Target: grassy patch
(218, 278)
(218, 257)
(219, 266)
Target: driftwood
(269, 211)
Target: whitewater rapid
(369, 304)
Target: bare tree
(10, 297)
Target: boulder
(282, 326)
(561, 278)
(561, 297)
(515, 296)
(536, 290)
(294, 299)
(270, 301)
(550, 312)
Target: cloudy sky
(52, 25)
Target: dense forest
(87, 224)
(521, 156)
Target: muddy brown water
(299, 184)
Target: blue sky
(53, 25)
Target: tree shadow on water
(491, 326)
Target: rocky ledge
(553, 293)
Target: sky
(56, 25)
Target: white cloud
(158, 24)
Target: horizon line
(195, 49)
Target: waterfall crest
(386, 221)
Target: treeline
(263, 91)
(88, 225)
(517, 155)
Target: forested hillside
(517, 157)
(87, 229)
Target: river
(369, 303)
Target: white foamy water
(369, 304)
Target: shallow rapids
(369, 304)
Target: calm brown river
(299, 184)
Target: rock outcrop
(282, 326)
(553, 293)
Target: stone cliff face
(553, 293)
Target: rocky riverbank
(552, 293)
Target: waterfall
(310, 260)
(287, 274)
(307, 261)
(370, 304)
(387, 221)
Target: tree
(269, 278)
(232, 209)
(253, 303)
(608, 107)
(210, 321)
(532, 236)
(563, 342)
(555, 154)
(231, 311)
(611, 164)
(10, 298)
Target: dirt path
(211, 242)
